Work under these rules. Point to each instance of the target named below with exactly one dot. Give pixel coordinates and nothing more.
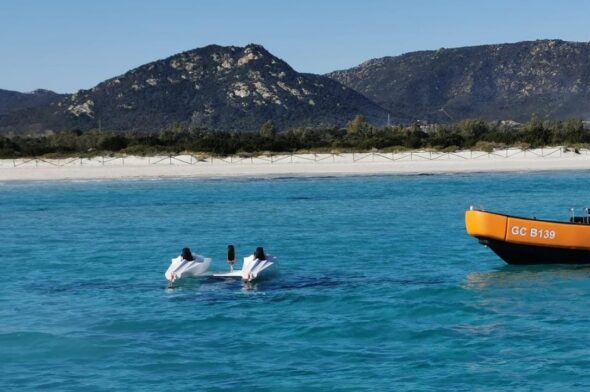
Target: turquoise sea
(381, 288)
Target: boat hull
(518, 254)
(522, 241)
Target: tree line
(358, 135)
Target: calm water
(381, 289)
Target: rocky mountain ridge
(215, 87)
(550, 78)
(229, 88)
(11, 101)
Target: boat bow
(519, 240)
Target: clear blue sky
(66, 45)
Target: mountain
(11, 101)
(215, 87)
(496, 82)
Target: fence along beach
(369, 163)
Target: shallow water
(381, 289)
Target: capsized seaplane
(257, 266)
(519, 240)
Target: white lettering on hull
(533, 232)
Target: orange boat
(521, 241)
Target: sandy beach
(416, 162)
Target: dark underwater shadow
(282, 282)
(294, 282)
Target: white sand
(510, 160)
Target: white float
(253, 269)
(180, 268)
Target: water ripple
(380, 288)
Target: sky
(67, 45)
